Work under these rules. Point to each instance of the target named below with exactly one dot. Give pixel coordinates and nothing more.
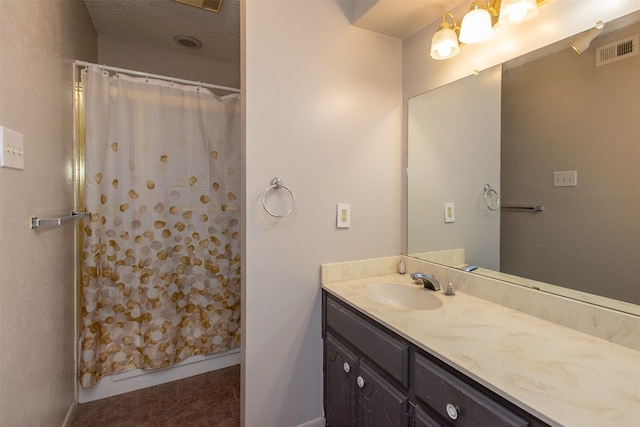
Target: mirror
(549, 129)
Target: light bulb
(444, 50)
(476, 26)
(517, 12)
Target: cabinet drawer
(439, 389)
(388, 353)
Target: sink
(403, 296)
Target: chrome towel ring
(487, 190)
(276, 184)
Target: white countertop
(564, 377)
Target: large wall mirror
(556, 136)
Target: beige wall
(167, 63)
(563, 113)
(323, 112)
(38, 41)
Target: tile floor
(211, 399)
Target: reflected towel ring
(487, 190)
(276, 184)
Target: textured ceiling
(155, 22)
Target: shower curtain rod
(155, 76)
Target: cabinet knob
(346, 367)
(360, 382)
(452, 411)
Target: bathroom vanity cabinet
(374, 377)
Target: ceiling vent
(616, 51)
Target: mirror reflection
(554, 129)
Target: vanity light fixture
(478, 24)
(583, 41)
(444, 44)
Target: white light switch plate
(565, 179)
(343, 215)
(11, 149)
(449, 213)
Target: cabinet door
(340, 385)
(422, 419)
(379, 402)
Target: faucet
(427, 281)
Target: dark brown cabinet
(373, 377)
(359, 391)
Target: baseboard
(318, 422)
(139, 378)
(70, 414)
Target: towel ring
(276, 184)
(487, 190)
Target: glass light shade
(518, 10)
(476, 26)
(444, 44)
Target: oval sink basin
(402, 296)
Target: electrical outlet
(449, 213)
(565, 179)
(343, 215)
(11, 149)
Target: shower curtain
(161, 250)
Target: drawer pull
(360, 382)
(452, 411)
(346, 367)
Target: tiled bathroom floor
(211, 399)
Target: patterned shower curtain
(161, 250)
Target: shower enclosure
(160, 249)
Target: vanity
(399, 355)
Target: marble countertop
(562, 376)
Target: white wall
(323, 112)
(167, 63)
(38, 41)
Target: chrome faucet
(427, 281)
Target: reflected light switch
(11, 149)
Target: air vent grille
(617, 51)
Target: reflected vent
(617, 51)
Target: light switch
(343, 215)
(565, 179)
(11, 149)
(449, 214)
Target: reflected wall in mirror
(559, 112)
